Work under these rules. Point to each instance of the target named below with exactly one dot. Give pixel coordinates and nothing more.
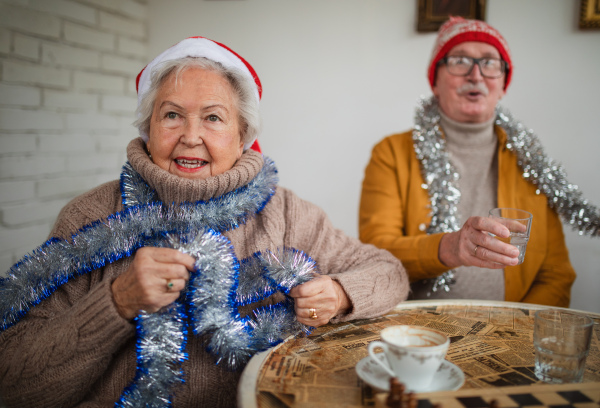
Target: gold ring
(475, 251)
(169, 285)
(312, 313)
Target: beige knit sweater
(74, 350)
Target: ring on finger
(169, 285)
(475, 251)
(312, 313)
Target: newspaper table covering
(492, 344)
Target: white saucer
(447, 378)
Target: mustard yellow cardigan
(394, 215)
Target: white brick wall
(128, 46)
(67, 55)
(102, 83)
(19, 95)
(29, 21)
(4, 40)
(70, 100)
(16, 191)
(34, 74)
(86, 36)
(65, 8)
(13, 119)
(122, 25)
(26, 47)
(67, 101)
(17, 143)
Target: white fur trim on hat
(197, 47)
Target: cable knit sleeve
(53, 356)
(374, 280)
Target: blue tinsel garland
(213, 294)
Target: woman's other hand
(324, 295)
(154, 279)
(473, 245)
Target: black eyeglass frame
(503, 64)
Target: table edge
(474, 302)
(249, 378)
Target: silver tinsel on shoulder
(441, 178)
(134, 190)
(216, 288)
(549, 176)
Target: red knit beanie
(458, 30)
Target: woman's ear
(240, 149)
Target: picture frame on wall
(589, 14)
(433, 13)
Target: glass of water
(518, 223)
(562, 343)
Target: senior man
(427, 192)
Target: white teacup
(413, 354)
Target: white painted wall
(339, 75)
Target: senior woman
(157, 288)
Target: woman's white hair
(244, 88)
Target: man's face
(471, 98)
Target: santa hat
(199, 47)
(458, 30)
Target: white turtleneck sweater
(472, 148)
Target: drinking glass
(562, 343)
(518, 223)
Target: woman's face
(472, 98)
(194, 128)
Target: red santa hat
(199, 47)
(458, 30)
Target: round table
(491, 341)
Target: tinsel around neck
(219, 284)
(143, 222)
(442, 179)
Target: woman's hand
(324, 295)
(473, 245)
(153, 280)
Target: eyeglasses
(462, 66)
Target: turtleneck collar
(468, 134)
(175, 189)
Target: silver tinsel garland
(441, 178)
(219, 284)
(160, 350)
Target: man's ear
(502, 94)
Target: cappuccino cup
(412, 354)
